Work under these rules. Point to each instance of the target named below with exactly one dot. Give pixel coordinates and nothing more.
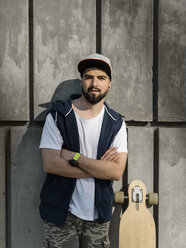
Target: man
(84, 148)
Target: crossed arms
(110, 166)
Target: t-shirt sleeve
(120, 140)
(51, 137)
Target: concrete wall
(14, 75)
(64, 32)
(172, 52)
(26, 181)
(127, 40)
(140, 157)
(2, 188)
(40, 45)
(172, 184)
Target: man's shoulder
(63, 106)
(112, 113)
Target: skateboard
(137, 226)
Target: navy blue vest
(57, 191)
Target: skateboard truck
(152, 198)
(137, 196)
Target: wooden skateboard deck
(137, 227)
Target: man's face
(95, 85)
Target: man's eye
(101, 78)
(88, 77)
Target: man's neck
(86, 109)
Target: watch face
(73, 162)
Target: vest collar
(65, 107)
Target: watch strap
(76, 156)
(74, 161)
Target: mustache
(93, 88)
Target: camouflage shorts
(76, 233)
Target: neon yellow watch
(74, 160)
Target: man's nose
(94, 81)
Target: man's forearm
(102, 169)
(62, 168)
(54, 164)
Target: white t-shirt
(82, 203)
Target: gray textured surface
(62, 92)
(116, 213)
(127, 40)
(64, 32)
(140, 159)
(172, 187)
(14, 60)
(172, 62)
(26, 181)
(2, 188)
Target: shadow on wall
(62, 92)
(27, 178)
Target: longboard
(137, 226)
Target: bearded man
(84, 148)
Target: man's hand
(110, 155)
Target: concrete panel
(127, 41)
(114, 226)
(14, 60)
(172, 187)
(140, 158)
(64, 32)
(26, 182)
(2, 189)
(116, 214)
(172, 63)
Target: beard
(92, 98)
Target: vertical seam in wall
(155, 59)
(125, 187)
(98, 26)
(156, 182)
(8, 186)
(31, 62)
(125, 182)
(155, 111)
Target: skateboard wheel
(153, 199)
(119, 197)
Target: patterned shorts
(76, 233)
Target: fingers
(114, 157)
(110, 155)
(108, 152)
